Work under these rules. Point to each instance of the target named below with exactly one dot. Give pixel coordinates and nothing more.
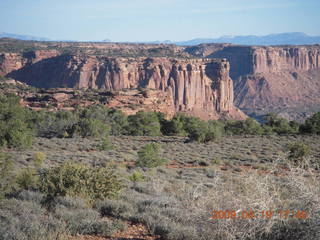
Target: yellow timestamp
(252, 214)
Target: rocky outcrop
(278, 78)
(199, 87)
(279, 59)
(130, 101)
(13, 61)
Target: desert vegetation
(19, 125)
(96, 172)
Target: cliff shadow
(47, 73)
(239, 57)
(212, 71)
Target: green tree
(234, 127)
(144, 124)
(311, 125)
(175, 126)
(252, 127)
(196, 128)
(215, 130)
(280, 125)
(149, 156)
(91, 128)
(55, 124)
(16, 127)
(116, 119)
(248, 126)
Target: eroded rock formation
(278, 78)
(13, 61)
(199, 87)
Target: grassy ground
(176, 201)
(233, 151)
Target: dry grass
(176, 201)
(236, 150)
(162, 203)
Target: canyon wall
(279, 59)
(199, 87)
(276, 78)
(13, 61)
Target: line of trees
(18, 125)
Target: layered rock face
(276, 59)
(13, 61)
(199, 87)
(282, 78)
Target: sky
(150, 20)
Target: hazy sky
(147, 20)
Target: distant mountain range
(22, 37)
(294, 38)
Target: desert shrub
(137, 176)
(6, 174)
(115, 208)
(91, 128)
(144, 124)
(311, 125)
(165, 227)
(295, 126)
(281, 125)
(91, 122)
(2, 78)
(79, 180)
(175, 126)
(298, 153)
(216, 161)
(55, 124)
(180, 210)
(15, 133)
(149, 156)
(118, 122)
(215, 130)
(27, 220)
(267, 130)
(196, 128)
(72, 202)
(30, 196)
(83, 220)
(248, 126)
(233, 127)
(80, 221)
(16, 128)
(28, 178)
(252, 127)
(116, 119)
(105, 144)
(38, 159)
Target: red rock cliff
(200, 87)
(13, 61)
(278, 78)
(278, 59)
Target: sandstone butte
(198, 87)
